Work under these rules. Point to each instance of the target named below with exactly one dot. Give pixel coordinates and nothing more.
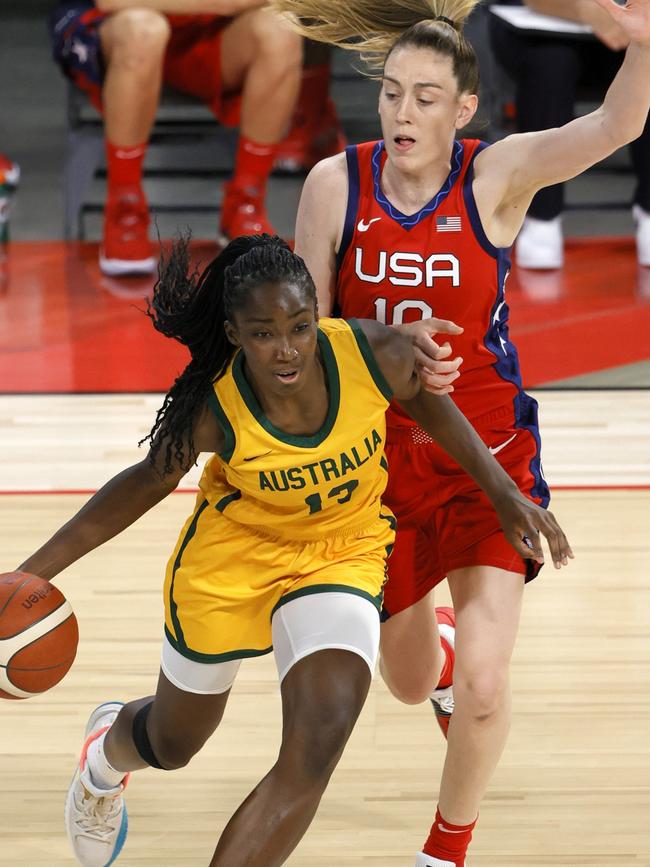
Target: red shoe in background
(126, 248)
(309, 141)
(442, 698)
(243, 212)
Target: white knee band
(204, 678)
(325, 621)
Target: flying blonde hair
(373, 28)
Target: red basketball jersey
(437, 262)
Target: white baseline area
(77, 442)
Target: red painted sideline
(72, 491)
(591, 315)
(64, 327)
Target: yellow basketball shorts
(225, 581)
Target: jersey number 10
(381, 305)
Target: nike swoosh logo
(449, 831)
(129, 154)
(363, 227)
(494, 449)
(257, 457)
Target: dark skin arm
(118, 504)
(439, 416)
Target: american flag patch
(448, 224)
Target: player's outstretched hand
(523, 521)
(436, 373)
(633, 17)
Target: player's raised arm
(511, 171)
(521, 519)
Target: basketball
(38, 635)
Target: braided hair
(192, 309)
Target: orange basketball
(38, 635)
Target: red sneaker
(310, 141)
(126, 248)
(442, 698)
(243, 212)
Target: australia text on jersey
(321, 471)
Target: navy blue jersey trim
(506, 364)
(472, 210)
(526, 414)
(497, 339)
(352, 158)
(408, 222)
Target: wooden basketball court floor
(573, 787)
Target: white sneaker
(642, 219)
(95, 819)
(422, 860)
(540, 244)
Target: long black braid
(192, 308)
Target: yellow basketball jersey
(304, 487)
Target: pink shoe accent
(84, 753)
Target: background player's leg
(133, 46)
(411, 655)
(263, 59)
(487, 603)
(322, 696)
(315, 131)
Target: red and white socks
(124, 165)
(446, 845)
(243, 211)
(253, 164)
(126, 248)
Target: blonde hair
(375, 28)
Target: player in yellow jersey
(286, 547)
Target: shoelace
(98, 817)
(444, 699)
(446, 704)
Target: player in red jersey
(419, 225)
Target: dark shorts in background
(192, 60)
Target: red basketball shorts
(192, 61)
(444, 521)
